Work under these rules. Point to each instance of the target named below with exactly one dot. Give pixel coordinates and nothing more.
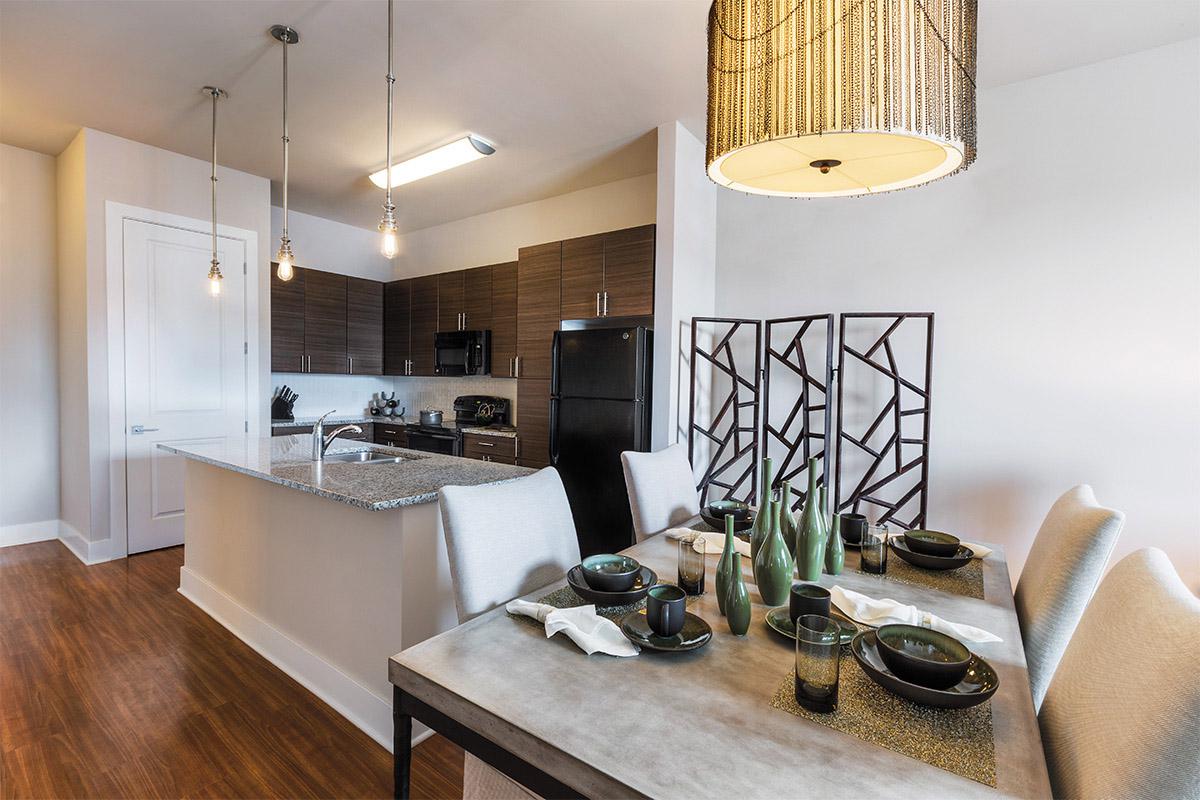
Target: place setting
(928, 558)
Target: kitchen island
(325, 568)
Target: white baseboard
(362, 707)
(87, 552)
(28, 533)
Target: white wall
(331, 246)
(95, 169)
(684, 277)
(28, 346)
(1064, 269)
(495, 237)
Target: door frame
(115, 216)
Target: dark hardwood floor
(113, 685)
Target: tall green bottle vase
(835, 549)
(773, 566)
(810, 544)
(762, 521)
(737, 600)
(725, 564)
(787, 520)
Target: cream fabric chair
(1122, 716)
(661, 489)
(1064, 565)
(504, 540)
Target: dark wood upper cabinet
(477, 299)
(364, 326)
(629, 272)
(397, 306)
(582, 277)
(287, 322)
(450, 300)
(539, 274)
(504, 319)
(325, 323)
(423, 324)
(533, 423)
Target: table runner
(956, 740)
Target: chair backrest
(1064, 565)
(1122, 716)
(506, 539)
(662, 493)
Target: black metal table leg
(401, 746)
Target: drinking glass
(818, 657)
(874, 552)
(691, 564)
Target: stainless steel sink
(365, 457)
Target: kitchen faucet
(321, 442)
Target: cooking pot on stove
(431, 417)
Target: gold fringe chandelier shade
(827, 98)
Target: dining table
(700, 723)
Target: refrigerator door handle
(554, 363)
(554, 431)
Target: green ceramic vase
(773, 566)
(787, 520)
(810, 539)
(725, 564)
(835, 549)
(737, 600)
(762, 521)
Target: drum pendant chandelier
(829, 98)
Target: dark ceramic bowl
(923, 656)
(714, 514)
(610, 573)
(960, 559)
(931, 543)
(977, 686)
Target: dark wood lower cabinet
(533, 423)
(499, 449)
(391, 435)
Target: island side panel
(324, 590)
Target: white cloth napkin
(713, 542)
(876, 613)
(592, 632)
(979, 550)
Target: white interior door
(185, 366)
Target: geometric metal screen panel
(797, 416)
(723, 410)
(885, 372)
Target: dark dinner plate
(645, 579)
(780, 620)
(924, 561)
(976, 687)
(714, 515)
(696, 633)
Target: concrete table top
(699, 724)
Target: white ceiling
(569, 91)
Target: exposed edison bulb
(214, 286)
(390, 244)
(284, 270)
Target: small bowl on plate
(714, 514)
(610, 573)
(923, 656)
(932, 543)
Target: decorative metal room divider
(896, 476)
(730, 441)
(801, 350)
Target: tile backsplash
(349, 394)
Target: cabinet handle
(606, 304)
(351, 364)
(485, 444)
(517, 367)
(302, 363)
(597, 304)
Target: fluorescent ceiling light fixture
(462, 151)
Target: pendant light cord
(215, 93)
(391, 79)
(285, 138)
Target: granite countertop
(285, 460)
(333, 419)
(507, 433)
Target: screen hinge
(246, 426)
(245, 348)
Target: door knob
(140, 429)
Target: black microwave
(462, 353)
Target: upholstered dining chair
(1064, 565)
(1122, 715)
(504, 540)
(662, 492)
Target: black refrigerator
(599, 407)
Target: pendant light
(214, 271)
(286, 259)
(825, 98)
(389, 244)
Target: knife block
(282, 410)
